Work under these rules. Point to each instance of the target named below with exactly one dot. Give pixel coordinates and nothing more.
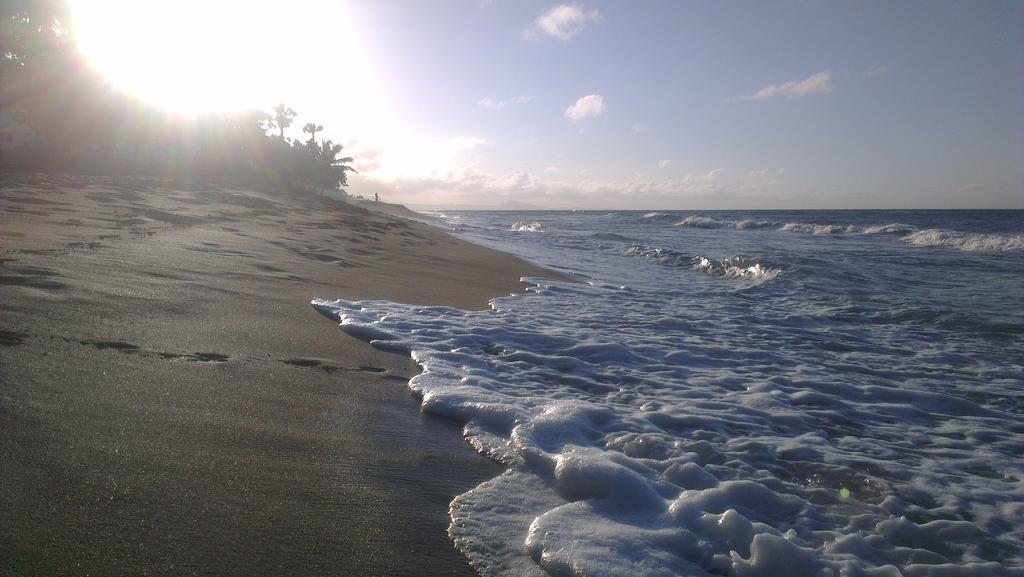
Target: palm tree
(283, 117)
(312, 128)
(328, 154)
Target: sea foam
(527, 227)
(675, 452)
(966, 241)
(741, 267)
(912, 235)
(861, 414)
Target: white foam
(736, 267)
(697, 221)
(860, 415)
(969, 241)
(701, 221)
(657, 215)
(894, 228)
(701, 449)
(966, 241)
(526, 227)
(753, 224)
(807, 228)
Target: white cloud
(875, 70)
(551, 169)
(495, 105)
(470, 187)
(586, 107)
(637, 128)
(414, 156)
(368, 160)
(766, 173)
(563, 21)
(820, 83)
(665, 163)
(765, 177)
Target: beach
(170, 404)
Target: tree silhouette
(283, 117)
(328, 154)
(312, 128)
(266, 123)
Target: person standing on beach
(376, 197)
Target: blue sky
(916, 104)
(663, 103)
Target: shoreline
(200, 417)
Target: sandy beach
(170, 404)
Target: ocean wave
(710, 222)
(970, 241)
(658, 217)
(611, 236)
(894, 228)
(739, 267)
(807, 228)
(697, 221)
(735, 267)
(703, 448)
(661, 256)
(526, 227)
(966, 240)
(754, 224)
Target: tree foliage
(329, 155)
(283, 116)
(312, 128)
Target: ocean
(743, 393)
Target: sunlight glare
(192, 56)
(197, 56)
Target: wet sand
(170, 404)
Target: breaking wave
(736, 267)
(672, 414)
(912, 235)
(697, 221)
(526, 227)
(820, 228)
(741, 267)
(966, 240)
(640, 443)
(658, 217)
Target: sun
(197, 56)
(192, 56)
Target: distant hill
(506, 205)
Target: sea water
(801, 393)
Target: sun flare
(196, 56)
(192, 56)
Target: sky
(650, 104)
